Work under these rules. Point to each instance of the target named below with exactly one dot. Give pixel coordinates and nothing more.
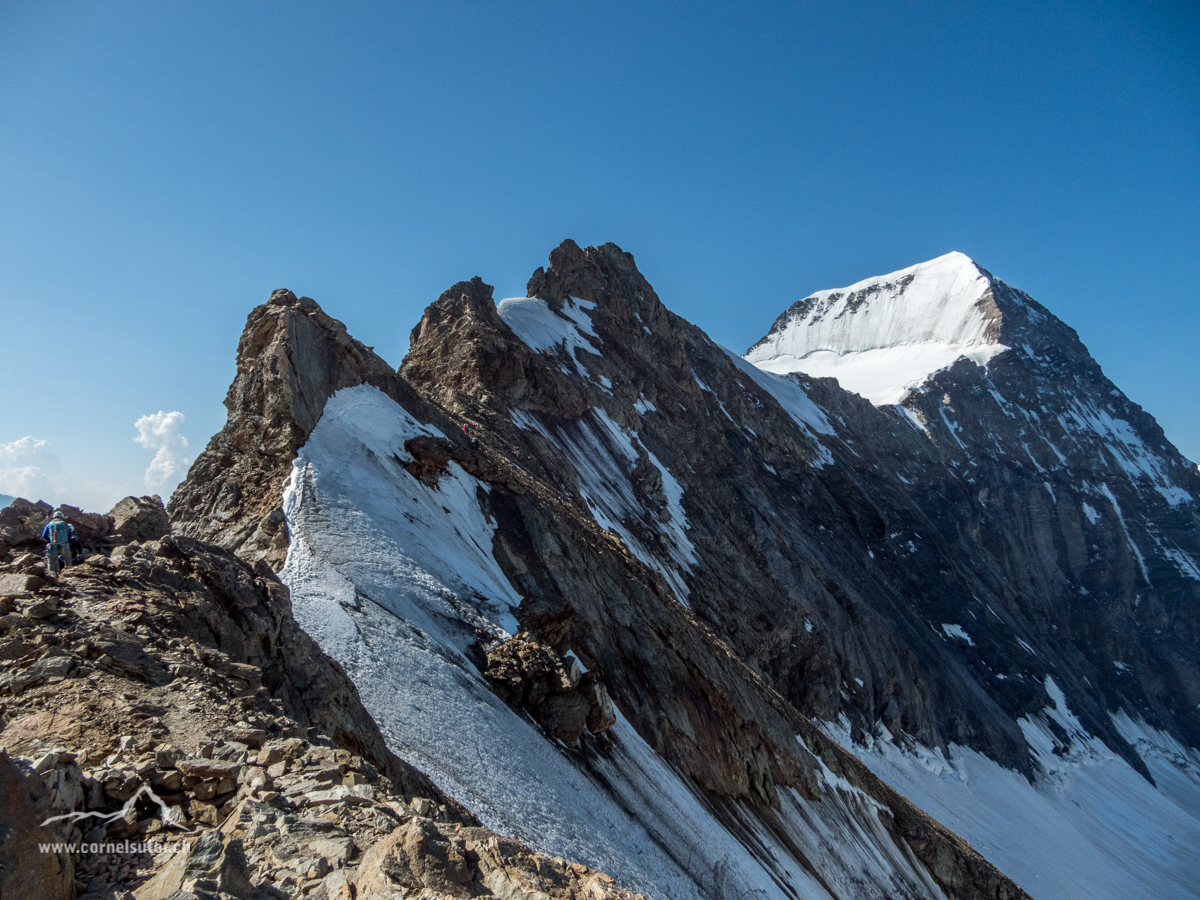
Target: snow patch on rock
(603, 457)
(542, 329)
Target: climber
(58, 535)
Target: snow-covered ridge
(882, 335)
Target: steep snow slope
(1091, 828)
(395, 580)
(882, 335)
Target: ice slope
(882, 335)
(603, 456)
(393, 579)
(1089, 828)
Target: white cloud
(29, 468)
(160, 432)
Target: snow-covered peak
(881, 336)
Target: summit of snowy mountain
(880, 336)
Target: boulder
(601, 714)
(532, 676)
(22, 521)
(140, 519)
(19, 585)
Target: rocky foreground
(160, 702)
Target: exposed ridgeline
(416, 547)
(291, 359)
(726, 551)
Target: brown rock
(532, 676)
(140, 519)
(209, 768)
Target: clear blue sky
(165, 165)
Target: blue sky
(165, 165)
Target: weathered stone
(22, 521)
(41, 608)
(214, 863)
(17, 585)
(169, 780)
(140, 519)
(41, 671)
(209, 768)
(278, 751)
(601, 714)
(251, 737)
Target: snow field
(883, 336)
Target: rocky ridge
(159, 696)
(723, 550)
(692, 700)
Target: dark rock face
(1072, 508)
(820, 567)
(464, 356)
(1034, 505)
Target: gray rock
(24, 870)
(140, 519)
(22, 521)
(15, 585)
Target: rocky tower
(723, 549)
